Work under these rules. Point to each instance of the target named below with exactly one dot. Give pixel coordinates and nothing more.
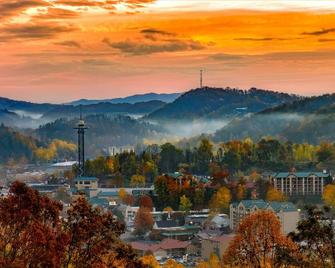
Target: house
(111, 196)
(164, 249)
(300, 183)
(171, 229)
(287, 212)
(87, 185)
(217, 245)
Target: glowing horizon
(62, 50)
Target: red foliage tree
(32, 234)
(30, 229)
(146, 201)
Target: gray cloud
(10, 8)
(223, 57)
(136, 48)
(69, 43)
(34, 31)
(326, 39)
(320, 32)
(156, 31)
(57, 13)
(263, 39)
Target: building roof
(165, 244)
(261, 204)
(283, 206)
(223, 239)
(250, 203)
(174, 175)
(301, 174)
(167, 224)
(85, 179)
(98, 202)
(108, 194)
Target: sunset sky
(61, 50)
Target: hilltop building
(300, 183)
(287, 212)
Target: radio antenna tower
(81, 128)
(201, 71)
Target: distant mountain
(103, 131)
(306, 120)
(17, 105)
(164, 97)
(218, 103)
(22, 114)
(70, 111)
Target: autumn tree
(94, 239)
(129, 200)
(143, 221)
(213, 262)
(170, 263)
(150, 261)
(137, 181)
(329, 195)
(30, 230)
(275, 195)
(185, 204)
(220, 200)
(32, 234)
(122, 194)
(146, 202)
(316, 237)
(258, 243)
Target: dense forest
(213, 103)
(103, 131)
(206, 159)
(308, 120)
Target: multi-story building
(217, 245)
(300, 183)
(287, 212)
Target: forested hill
(305, 106)
(103, 131)
(214, 103)
(309, 120)
(69, 111)
(15, 145)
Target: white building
(300, 183)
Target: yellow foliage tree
(185, 204)
(329, 195)
(54, 148)
(213, 262)
(150, 261)
(137, 181)
(172, 264)
(275, 195)
(122, 194)
(220, 200)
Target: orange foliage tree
(143, 221)
(260, 243)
